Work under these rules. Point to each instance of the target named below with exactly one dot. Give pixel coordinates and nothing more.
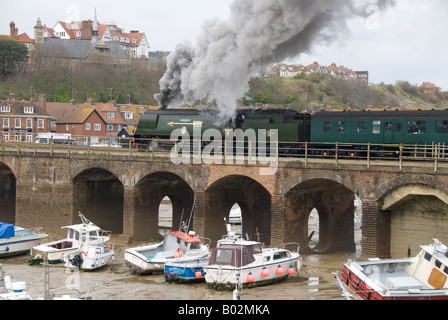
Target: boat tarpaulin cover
(6, 230)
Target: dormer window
(6, 109)
(28, 110)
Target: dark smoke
(257, 34)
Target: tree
(11, 52)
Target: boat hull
(359, 289)
(187, 271)
(54, 251)
(227, 277)
(19, 245)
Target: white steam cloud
(257, 34)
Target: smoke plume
(257, 34)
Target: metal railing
(306, 152)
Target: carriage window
(327, 127)
(389, 127)
(341, 127)
(417, 127)
(376, 127)
(442, 126)
(398, 128)
(361, 127)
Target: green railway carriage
(381, 127)
(293, 127)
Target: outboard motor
(77, 260)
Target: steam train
(355, 130)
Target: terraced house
(21, 120)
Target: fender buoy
(291, 270)
(250, 277)
(85, 254)
(265, 272)
(279, 270)
(198, 274)
(178, 254)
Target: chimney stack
(43, 102)
(13, 31)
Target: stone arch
(335, 204)
(148, 195)
(98, 194)
(253, 199)
(418, 213)
(8, 183)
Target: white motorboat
(177, 246)
(236, 262)
(77, 235)
(16, 240)
(93, 254)
(423, 277)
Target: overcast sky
(408, 42)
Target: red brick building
(83, 120)
(22, 120)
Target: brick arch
(252, 197)
(427, 181)
(335, 204)
(148, 194)
(99, 195)
(8, 184)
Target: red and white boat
(423, 277)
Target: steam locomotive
(355, 130)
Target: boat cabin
(234, 255)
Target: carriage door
(389, 131)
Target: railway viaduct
(404, 204)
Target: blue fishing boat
(186, 271)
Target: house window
(28, 110)
(29, 137)
(97, 126)
(87, 126)
(18, 123)
(110, 127)
(29, 123)
(40, 123)
(6, 109)
(6, 123)
(110, 115)
(6, 136)
(128, 115)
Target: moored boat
(423, 277)
(185, 271)
(16, 240)
(180, 246)
(235, 262)
(77, 234)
